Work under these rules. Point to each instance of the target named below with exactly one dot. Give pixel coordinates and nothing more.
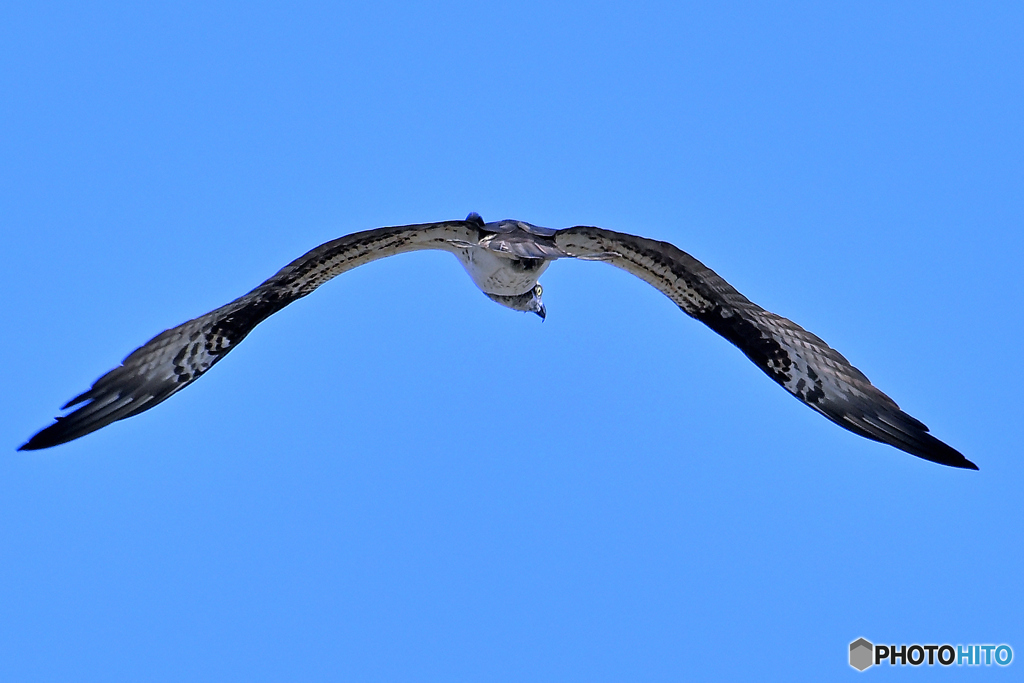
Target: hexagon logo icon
(861, 654)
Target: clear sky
(396, 479)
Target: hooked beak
(542, 312)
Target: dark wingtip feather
(941, 453)
(99, 412)
(902, 431)
(944, 454)
(51, 436)
(77, 399)
(61, 432)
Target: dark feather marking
(767, 353)
(527, 265)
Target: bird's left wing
(803, 364)
(177, 357)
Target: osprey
(505, 260)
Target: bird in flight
(505, 259)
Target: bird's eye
(538, 290)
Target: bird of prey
(505, 259)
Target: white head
(530, 302)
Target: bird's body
(505, 260)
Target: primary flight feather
(505, 260)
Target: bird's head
(529, 301)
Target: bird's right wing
(803, 364)
(177, 357)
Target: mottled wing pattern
(177, 357)
(801, 362)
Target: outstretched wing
(177, 357)
(801, 362)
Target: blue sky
(396, 479)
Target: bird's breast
(501, 274)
